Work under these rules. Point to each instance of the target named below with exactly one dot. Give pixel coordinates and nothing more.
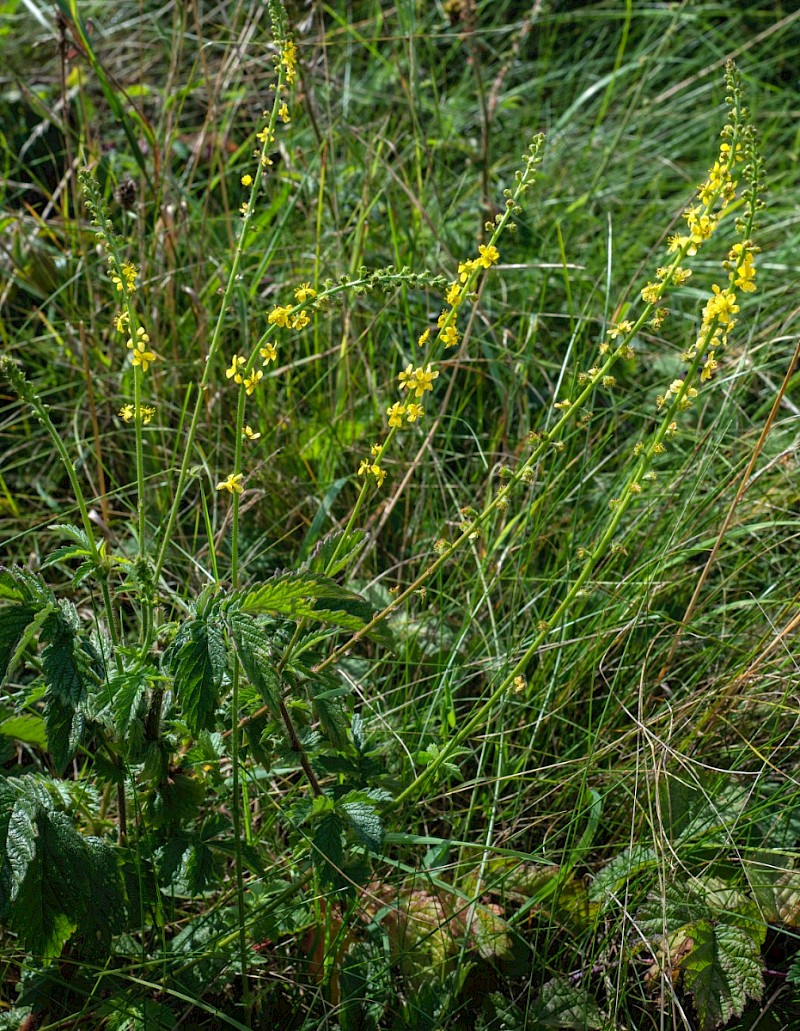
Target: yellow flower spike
(251, 382)
(246, 180)
(130, 272)
(234, 484)
(248, 433)
(233, 373)
(414, 412)
(396, 413)
(289, 60)
(268, 353)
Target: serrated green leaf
(68, 657)
(721, 970)
(308, 596)
(365, 823)
(14, 620)
(562, 1004)
(128, 692)
(9, 590)
(76, 534)
(614, 876)
(331, 715)
(340, 543)
(328, 846)
(62, 554)
(197, 661)
(252, 646)
(65, 727)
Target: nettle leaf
(363, 820)
(55, 881)
(14, 620)
(129, 698)
(309, 596)
(197, 661)
(250, 637)
(329, 711)
(69, 658)
(328, 845)
(65, 728)
(340, 543)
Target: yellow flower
(289, 60)
(246, 180)
(406, 377)
(450, 336)
(251, 382)
(233, 373)
(414, 412)
(268, 353)
(304, 292)
(244, 209)
(465, 268)
(396, 413)
(122, 320)
(424, 338)
(453, 295)
(233, 484)
(279, 316)
(130, 272)
(126, 413)
(364, 467)
(300, 321)
(265, 136)
(248, 433)
(375, 450)
(488, 256)
(143, 357)
(620, 329)
(423, 380)
(283, 113)
(379, 474)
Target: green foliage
(55, 883)
(198, 661)
(415, 644)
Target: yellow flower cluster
(289, 60)
(128, 412)
(129, 273)
(370, 468)
(142, 355)
(675, 387)
(282, 315)
(418, 380)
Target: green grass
(644, 757)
